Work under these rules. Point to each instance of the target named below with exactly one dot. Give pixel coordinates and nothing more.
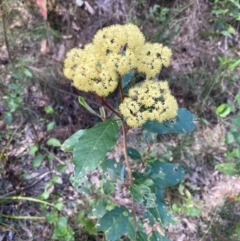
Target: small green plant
(226, 14)
(188, 206)
(130, 190)
(232, 138)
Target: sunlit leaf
(53, 142)
(87, 107)
(224, 110)
(33, 150)
(51, 126)
(57, 179)
(70, 143)
(48, 110)
(228, 168)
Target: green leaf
(164, 174)
(93, 146)
(188, 156)
(53, 142)
(192, 211)
(37, 161)
(33, 150)
(133, 153)
(90, 226)
(70, 143)
(226, 33)
(48, 110)
(228, 168)
(182, 123)
(131, 228)
(50, 156)
(234, 153)
(156, 236)
(149, 137)
(234, 63)
(220, 11)
(28, 73)
(51, 126)
(108, 187)
(87, 107)
(51, 217)
(59, 206)
(236, 135)
(114, 223)
(111, 164)
(160, 212)
(8, 118)
(229, 138)
(141, 193)
(236, 121)
(61, 167)
(141, 236)
(111, 174)
(62, 231)
(57, 179)
(130, 231)
(238, 97)
(99, 209)
(224, 110)
(127, 78)
(238, 228)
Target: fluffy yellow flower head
(150, 101)
(88, 71)
(152, 57)
(118, 43)
(114, 52)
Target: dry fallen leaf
(89, 8)
(61, 53)
(2, 125)
(44, 47)
(43, 8)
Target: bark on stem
(125, 152)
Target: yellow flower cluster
(150, 101)
(115, 51)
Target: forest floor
(38, 104)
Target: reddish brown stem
(105, 103)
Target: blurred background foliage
(39, 109)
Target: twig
(41, 177)
(104, 102)
(5, 32)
